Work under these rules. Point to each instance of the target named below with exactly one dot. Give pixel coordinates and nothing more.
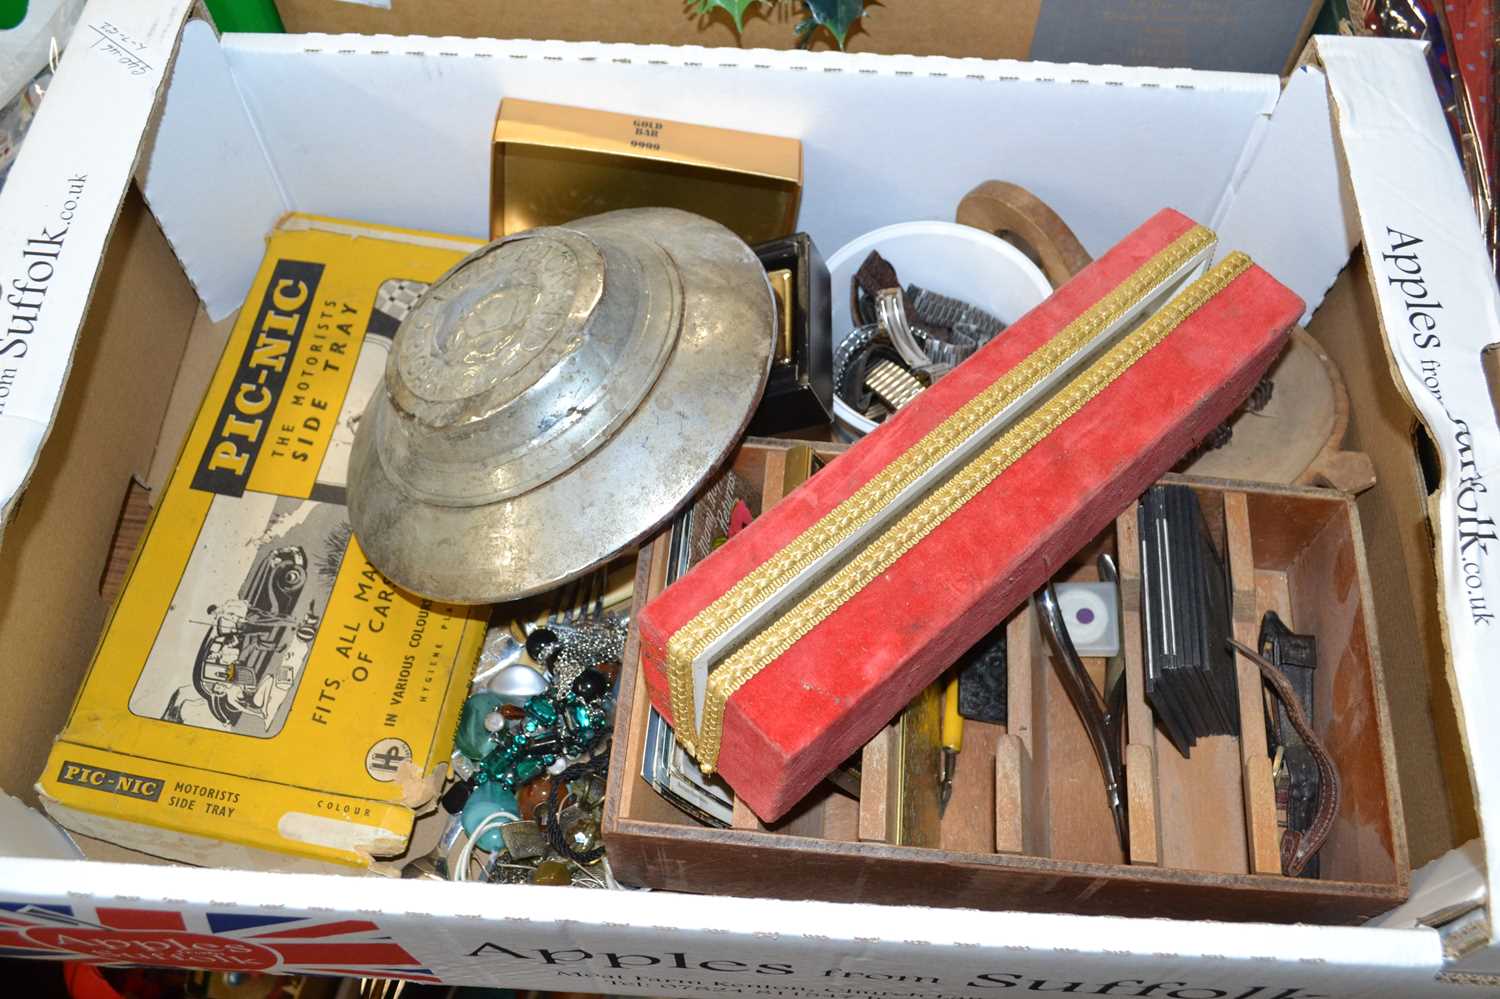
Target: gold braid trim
(748, 660)
(689, 641)
(895, 541)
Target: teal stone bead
(473, 739)
(527, 769)
(487, 800)
(542, 710)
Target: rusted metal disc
(554, 398)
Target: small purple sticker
(1085, 616)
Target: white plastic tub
(950, 259)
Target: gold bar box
(553, 164)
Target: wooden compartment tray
(1028, 827)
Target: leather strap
(874, 276)
(1297, 848)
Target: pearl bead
(517, 684)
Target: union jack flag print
(213, 941)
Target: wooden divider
(968, 823)
(1028, 791)
(874, 770)
(1264, 839)
(636, 796)
(1012, 788)
(1140, 739)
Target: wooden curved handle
(1021, 218)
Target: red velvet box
(804, 711)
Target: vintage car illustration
(248, 662)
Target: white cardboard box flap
(658, 943)
(1439, 308)
(1292, 176)
(58, 205)
(214, 149)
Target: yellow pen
(953, 735)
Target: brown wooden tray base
(1028, 827)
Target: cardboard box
(1260, 37)
(397, 131)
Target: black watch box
(799, 393)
